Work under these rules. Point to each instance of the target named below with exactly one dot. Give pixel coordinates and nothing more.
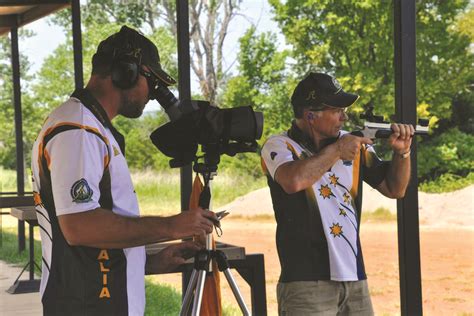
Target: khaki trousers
(324, 298)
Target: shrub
(449, 153)
(446, 183)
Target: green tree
(209, 25)
(32, 117)
(263, 81)
(354, 40)
(264, 84)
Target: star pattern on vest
(333, 179)
(347, 197)
(342, 212)
(336, 230)
(326, 192)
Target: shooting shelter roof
(16, 13)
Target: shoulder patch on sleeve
(81, 191)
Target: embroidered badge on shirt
(81, 191)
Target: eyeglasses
(330, 108)
(151, 79)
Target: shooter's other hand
(401, 138)
(195, 222)
(349, 145)
(171, 257)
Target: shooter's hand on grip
(349, 146)
(401, 137)
(194, 222)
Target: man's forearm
(102, 228)
(301, 174)
(398, 176)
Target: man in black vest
(315, 173)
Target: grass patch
(257, 217)
(447, 183)
(159, 192)
(161, 299)
(381, 214)
(8, 180)
(230, 310)
(453, 299)
(9, 249)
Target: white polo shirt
(78, 166)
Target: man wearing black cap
(315, 173)
(92, 234)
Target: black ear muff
(124, 72)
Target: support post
(184, 86)
(407, 208)
(20, 161)
(77, 43)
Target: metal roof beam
(9, 21)
(11, 3)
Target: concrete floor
(16, 304)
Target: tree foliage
(209, 25)
(263, 81)
(353, 40)
(31, 115)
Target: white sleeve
(276, 152)
(77, 160)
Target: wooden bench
(28, 214)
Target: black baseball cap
(133, 42)
(319, 90)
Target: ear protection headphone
(126, 62)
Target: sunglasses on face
(330, 108)
(151, 79)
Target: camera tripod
(202, 260)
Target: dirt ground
(446, 243)
(446, 265)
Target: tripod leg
(199, 291)
(189, 294)
(224, 267)
(236, 291)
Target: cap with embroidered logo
(131, 41)
(319, 90)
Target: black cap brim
(162, 75)
(341, 99)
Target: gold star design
(347, 197)
(342, 212)
(325, 191)
(336, 230)
(334, 180)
